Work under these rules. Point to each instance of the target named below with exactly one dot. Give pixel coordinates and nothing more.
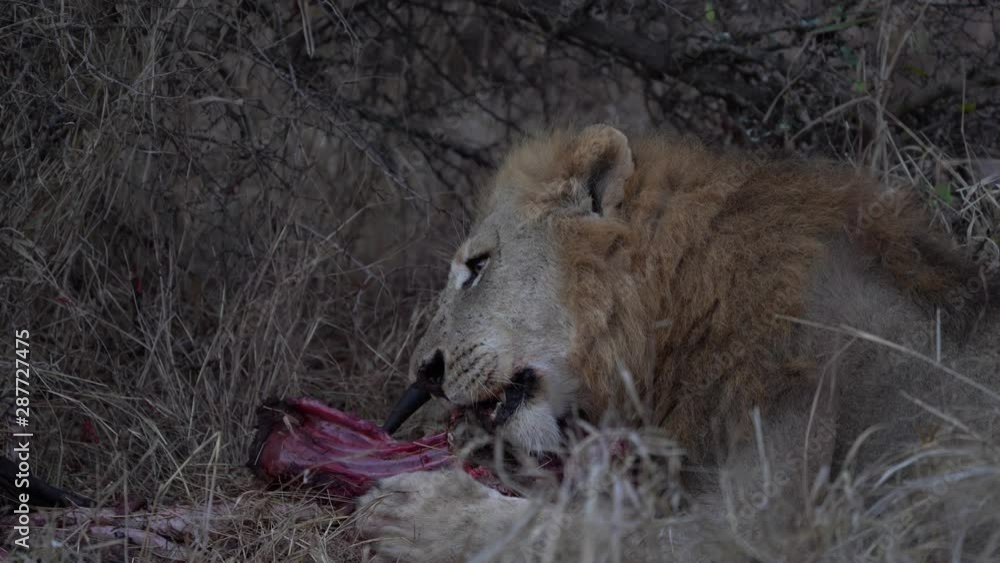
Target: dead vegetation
(205, 204)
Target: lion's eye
(476, 265)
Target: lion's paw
(433, 515)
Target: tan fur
(688, 269)
(684, 286)
(739, 240)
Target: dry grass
(943, 511)
(172, 242)
(189, 225)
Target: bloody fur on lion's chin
(495, 412)
(523, 415)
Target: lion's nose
(431, 373)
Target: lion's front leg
(434, 516)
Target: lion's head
(505, 330)
(604, 274)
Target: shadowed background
(207, 203)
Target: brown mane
(688, 285)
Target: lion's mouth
(496, 411)
(492, 412)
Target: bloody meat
(304, 441)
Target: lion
(727, 286)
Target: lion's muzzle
(496, 411)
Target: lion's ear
(601, 163)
